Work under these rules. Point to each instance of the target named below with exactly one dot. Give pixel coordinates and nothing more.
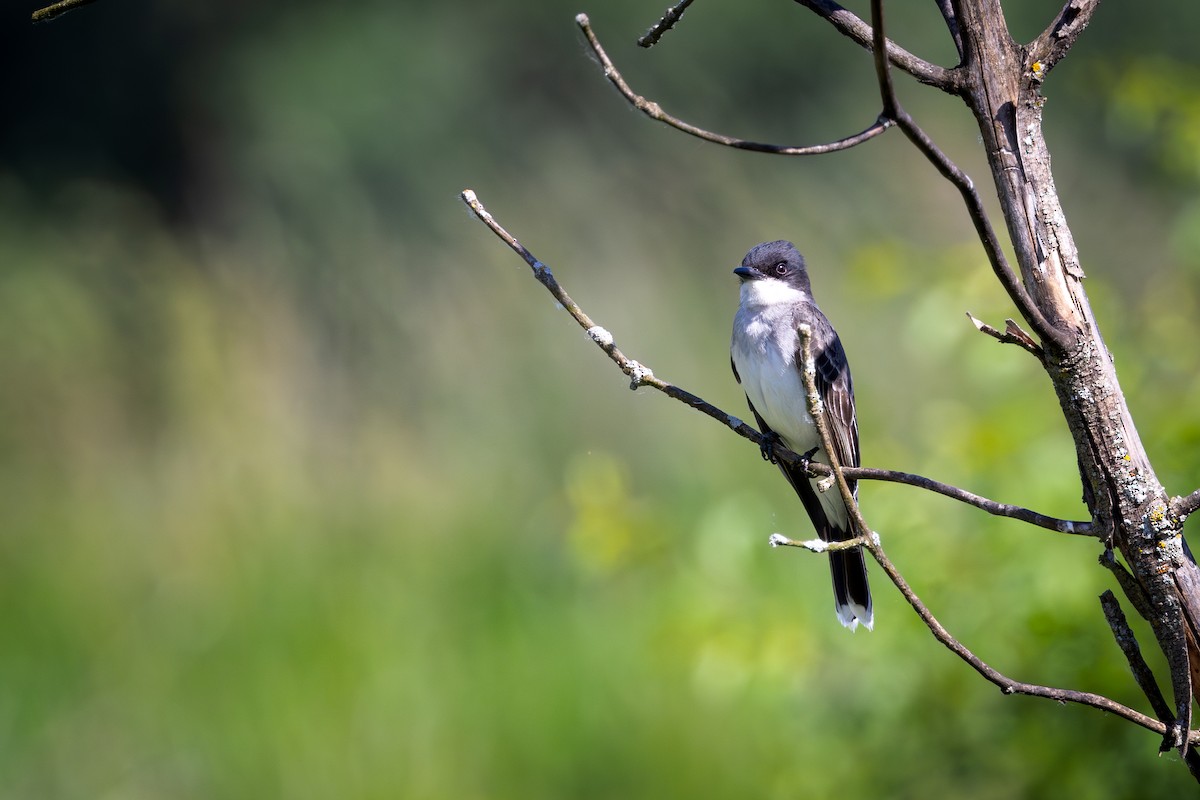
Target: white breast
(764, 353)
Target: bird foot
(767, 447)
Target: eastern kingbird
(776, 300)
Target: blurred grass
(319, 495)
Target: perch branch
(640, 375)
(655, 112)
(672, 15)
(1052, 44)
(871, 542)
(58, 9)
(1074, 527)
(851, 26)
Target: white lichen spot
(638, 374)
(600, 336)
(778, 539)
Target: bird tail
(852, 594)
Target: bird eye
(781, 268)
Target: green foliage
(318, 495)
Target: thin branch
(1073, 527)
(854, 28)
(672, 15)
(1133, 654)
(870, 541)
(1052, 45)
(655, 112)
(58, 9)
(1183, 506)
(816, 410)
(952, 25)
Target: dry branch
(672, 15)
(655, 112)
(58, 9)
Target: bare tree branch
(672, 15)
(1077, 528)
(58, 9)
(1053, 43)
(854, 28)
(640, 375)
(655, 112)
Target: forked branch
(1052, 45)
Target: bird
(765, 353)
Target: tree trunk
(1129, 506)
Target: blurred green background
(307, 490)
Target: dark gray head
(778, 260)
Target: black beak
(747, 273)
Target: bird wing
(836, 390)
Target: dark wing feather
(836, 389)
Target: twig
(672, 15)
(58, 9)
(655, 112)
(853, 27)
(816, 545)
(1012, 334)
(1053, 43)
(816, 410)
(1183, 506)
(946, 7)
(640, 375)
(870, 541)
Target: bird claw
(806, 458)
(767, 447)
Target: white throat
(769, 293)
